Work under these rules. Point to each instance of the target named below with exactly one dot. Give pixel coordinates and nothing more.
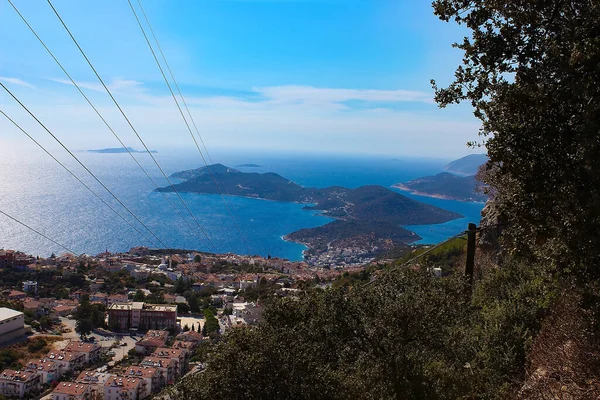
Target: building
(67, 360)
(166, 367)
(7, 258)
(151, 341)
(71, 391)
(30, 287)
(90, 351)
(46, 369)
(96, 381)
(12, 324)
(142, 316)
(149, 374)
(16, 295)
(18, 383)
(180, 356)
(124, 388)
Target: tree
(84, 326)
(530, 70)
(197, 258)
(211, 324)
(139, 296)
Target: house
(124, 388)
(15, 295)
(64, 310)
(91, 351)
(32, 305)
(18, 383)
(166, 367)
(66, 360)
(117, 298)
(96, 381)
(180, 356)
(151, 341)
(150, 375)
(46, 369)
(71, 391)
(7, 258)
(190, 336)
(99, 297)
(170, 298)
(96, 285)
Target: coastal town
(126, 325)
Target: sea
(40, 193)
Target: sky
(338, 76)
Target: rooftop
(6, 313)
(71, 388)
(20, 376)
(126, 383)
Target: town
(125, 325)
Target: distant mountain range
(118, 150)
(457, 184)
(367, 210)
(467, 165)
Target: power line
(36, 231)
(182, 114)
(101, 117)
(83, 165)
(76, 177)
(130, 124)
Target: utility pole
(470, 264)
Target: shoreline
(404, 188)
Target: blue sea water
(36, 190)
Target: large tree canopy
(531, 70)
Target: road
(104, 341)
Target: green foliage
(9, 358)
(211, 324)
(139, 296)
(407, 335)
(197, 258)
(36, 345)
(530, 70)
(183, 308)
(89, 316)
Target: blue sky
(327, 75)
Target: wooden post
(470, 265)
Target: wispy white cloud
(309, 94)
(16, 81)
(275, 117)
(116, 85)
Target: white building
(124, 388)
(18, 383)
(12, 324)
(30, 287)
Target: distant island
(457, 184)
(445, 186)
(118, 150)
(368, 218)
(249, 166)
(468, 165)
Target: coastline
(404, 188)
